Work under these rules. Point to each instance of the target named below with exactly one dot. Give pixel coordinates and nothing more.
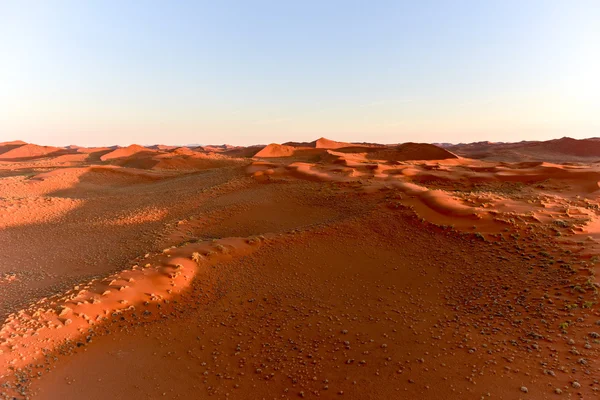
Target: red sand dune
(404, 152)
(276, 150)
(184, 151)
(125, 152)
(246, 152)
(213, 149)
(412, 151)
(88, 150)
(568, 146)
(359, 271)
(28, 151)
(13, 143)
(162, 147)
(192, 162)
(182, 159)
(323, 143)
(558, 150)
(7, 146)
(217, 148)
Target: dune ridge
(155, 278)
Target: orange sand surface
(300, 270)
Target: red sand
(355, 272)
(14, 142)
(20, 151)
(559, 150)
(412, 151)
(276, 150)
(88, 150)
(323, 143)
(125, 152)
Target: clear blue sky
(242, 72)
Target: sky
(255, 71)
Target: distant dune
(162, 147)
(21, 151)
(412, 151)
(276, 150)
(12, 143)
(183, 151)
(324, 143)
(403, 152)
(557, 150)
(240, 151)
(125, 152)
(94, 149)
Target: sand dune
(162, 147)
(324, 143)
(558, 150)
(21, 151)
(412, 151)
(318, 269)
(183, 151)
(245, 152)
(406, 151)
(88, 150)
(13, 143)
(123, 152)
(276, 150)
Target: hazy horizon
(110, 73)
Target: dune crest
(412, 151)
(276, 150)
(557, 150)
(27, 150)
(156, 278)
(125, 152)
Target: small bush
(197, 257)
(563, 326)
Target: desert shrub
(197, 257)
